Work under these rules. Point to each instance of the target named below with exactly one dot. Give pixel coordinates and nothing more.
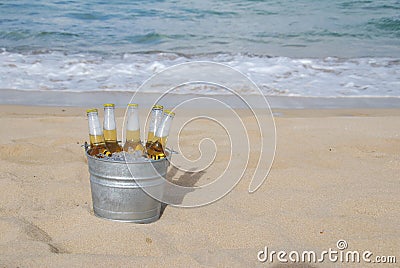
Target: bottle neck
(94, 125)
(155, 120)
(163, 129)
(132, 125)
(109, 119)
(95, 131)
(109, 126)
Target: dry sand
(335, 176)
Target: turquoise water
(335, 48)
(300, 28)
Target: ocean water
(304, 48)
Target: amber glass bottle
(155, 119)
(156, 149)
(98, 146)
(132, 130)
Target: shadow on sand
(187, 179)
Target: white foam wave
(282, 76)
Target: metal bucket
(117, 188)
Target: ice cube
(118, 157)
(133, 156)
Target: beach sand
(335, 176)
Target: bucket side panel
(128, 203)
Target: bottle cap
(93, 110)
(160, 107)
(109, 105)
(133, 105)
(169, 112)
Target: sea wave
(275, 76)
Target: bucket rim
(145, 160)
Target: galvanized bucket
(118, 188)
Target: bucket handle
(86, 146)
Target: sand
(335, 176)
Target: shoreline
(32, 111)
(122, 98)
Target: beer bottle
(155, 119)
(110, 129)
(156, 149)
(97, 144)
(132, 131)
